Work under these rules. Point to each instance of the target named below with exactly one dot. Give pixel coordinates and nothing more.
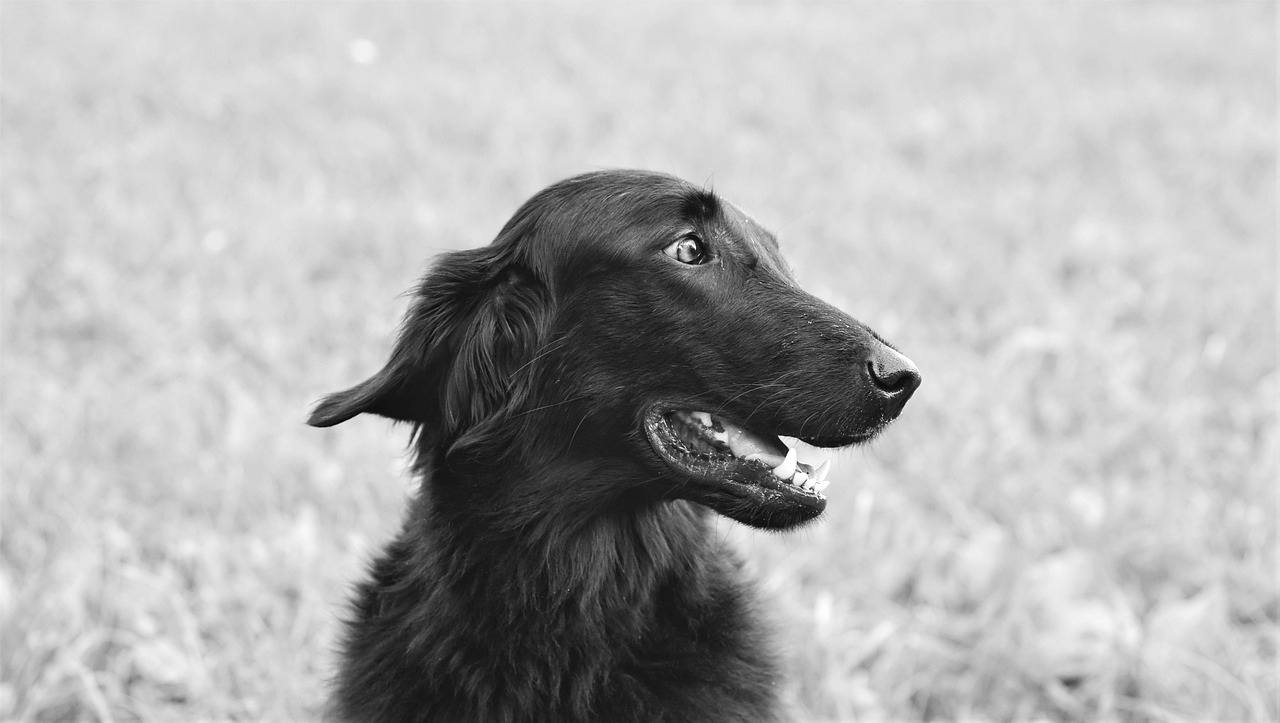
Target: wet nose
(893, 377)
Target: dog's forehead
(622, 215)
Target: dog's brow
(702, 205)
(750, 222)
(747, 227)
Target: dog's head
(644, 340)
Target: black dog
(584, 391)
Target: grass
(1064, 212)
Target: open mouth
(748, 475)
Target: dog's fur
(553, 565)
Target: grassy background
(1064, 212)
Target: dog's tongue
(747, 445)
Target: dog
(584, 394)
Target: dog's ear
(472, 327)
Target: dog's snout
(893, 375)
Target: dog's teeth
(702, 418)
(801, 479)
(788, 466)
(820, 486)
(820, 474)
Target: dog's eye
(688, 250)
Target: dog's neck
(461, 590)
(487, 607)
(576, 554)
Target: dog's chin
(749, 476)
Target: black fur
(553, 566)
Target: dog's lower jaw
(751, 478)
(546, 622)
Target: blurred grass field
(1065, 213)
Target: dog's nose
(893, 376)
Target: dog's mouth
(748, 475)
